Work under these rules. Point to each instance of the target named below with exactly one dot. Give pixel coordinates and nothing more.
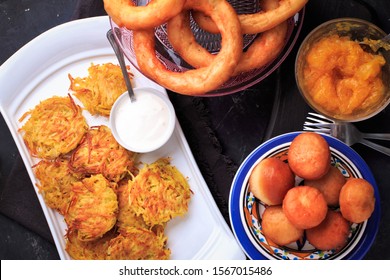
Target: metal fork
(345, 132)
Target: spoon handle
(386, 38)
(121, 59)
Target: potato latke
(93, 208)
(88, 250)
(55, 182)
(99, 90)
(100, 153)
(126, 215)
(159, 192)
(138, 244)
(55, 127)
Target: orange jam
(342, 78)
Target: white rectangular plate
(40, 70)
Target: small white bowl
(143, 125)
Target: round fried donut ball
(305, 206)
(278, 228)
(330, 185)
(270, 180)
(309, 156)
(357, 200)
(332, 233)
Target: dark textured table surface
(221, 131)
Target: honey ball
(309, 156)
(278, 228)
(330, 185)
(305, 207)
(270, 180)
(357, 200)
(332, 233)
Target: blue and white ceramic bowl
(246, 211)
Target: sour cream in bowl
(143, 125)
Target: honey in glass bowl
(340, 78)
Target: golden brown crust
(88, 250)
(138, 244)
(157, 12)
(93, 208)
(257, 22)
(330, 185)
(309, 156)
(55, 181)
(100, 153)
(55, 127)
(126, 215)
(332, 233)
(100, 89)
(159, 193)
(262, 51)
(357, 200)
(278, 228)
(270, 180)
(201, 80)
(305, 207)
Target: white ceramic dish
(39, 70)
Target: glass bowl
(357, 30)
(174, 62)
(246, 211)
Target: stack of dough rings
(214, 16)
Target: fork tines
(314, 128)
(317, 123)
(318, 118)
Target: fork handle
(376, 146)
(377, 136)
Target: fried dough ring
(257, 22)
(125, 13)
(263, 50)
(204, 79)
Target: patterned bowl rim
(251, 242)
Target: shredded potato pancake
(100, 153)
(126, 215)
(93, 208)
(99, 90)
(138, 244)
(111, 208)
(88, 250)
(55, 127)
(159, 192)
(55, 182)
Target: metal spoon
(121, 59)
(375, 45)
